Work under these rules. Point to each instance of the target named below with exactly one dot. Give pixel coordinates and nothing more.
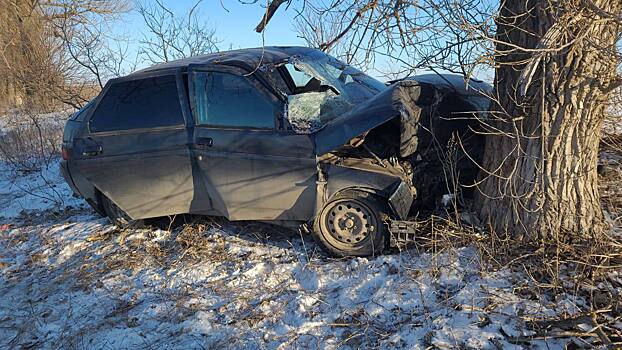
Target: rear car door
(253, 168)
(134, 149)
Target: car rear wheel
(116, 214)
(352, 224)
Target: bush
(29, 140)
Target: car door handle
(205, 141)
(90, 151)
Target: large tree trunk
(556, 65)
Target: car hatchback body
(280, 134)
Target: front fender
(361, 176)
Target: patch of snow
(62, 290)
(447, 199)
(42, 190)
(69, 282)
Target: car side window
(225, 99)
(137, 104)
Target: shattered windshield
(349, 82)
(323, 88)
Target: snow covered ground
(39, 190)
(69, 279)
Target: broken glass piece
(307, 112)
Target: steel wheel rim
(349, 222)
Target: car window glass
(143, 103)
(224, 99)
(299, 77)
(82, 112)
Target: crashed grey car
(282, 134)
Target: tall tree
(23, 51)
(556, 68)
(48, 49)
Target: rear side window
(136, 104)
(224, 99)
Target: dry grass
(591, 269)
(581, 269)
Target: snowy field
(69, 279)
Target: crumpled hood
(398, 100)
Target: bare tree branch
(171, 37)
(270, 11)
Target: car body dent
(379, 177)
(399, 100)
(475, 92)
(404, 99)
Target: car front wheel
(352, 224)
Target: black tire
(116, 215)
(352, 224)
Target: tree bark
(556, 61)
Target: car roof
(251, 57)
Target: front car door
(253, 169)
(135, 148)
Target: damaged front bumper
(401, 200)
(402, 233)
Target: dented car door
(251, 167)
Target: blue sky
(234, 23)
